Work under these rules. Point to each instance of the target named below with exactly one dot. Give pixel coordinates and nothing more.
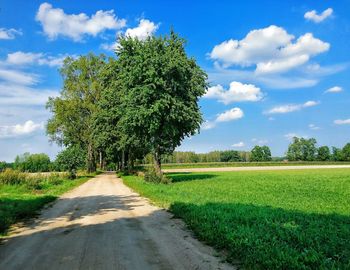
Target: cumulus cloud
(27, 128)
(230, 115)
(238, 145)
(236, 92)
(227, 116)
(342, 122)
(313, 127)
(317, 18)
(9, 33)
(27, 58)
(56, 22)
(270, 50)
(334, 89)
(145, 29)
(291, 107)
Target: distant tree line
(302, 149)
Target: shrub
(153, 177)
(12, 177)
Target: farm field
(247, 164)
(20, 201)
(266, 219)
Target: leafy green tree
(73, 111)
(160, 87)
(260, 153)
(302, 149)
(229, 156)
(3, 165)
(70, 159)
(32, 162)
(346, 152)
(323, 153)
(337, 154)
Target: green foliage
(152, 176)
(71, 159)
(302, 149)
(73, 111)
(229, 156)
(260, 153)
(32, 163)
(337, 154)
(266, 220)
(323, 153)
(4, 165)
(160, 87)
(346, 152)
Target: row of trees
(302, 149)
(120, 109)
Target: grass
(21, 201)
(245, 164)
(266, 219)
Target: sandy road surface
(257, 168)
(104, 225)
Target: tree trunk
(101, 164)
(123, 161)
(91, 164)
(157, 162)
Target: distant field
(243, 164)
(264, 219)
(22, 201)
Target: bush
(32, 162)
(12, 177)
(153, 177)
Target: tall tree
(260, 153)
(323, 153)
(160, 88)
(73, 111)
(302, 149)
(346, 152)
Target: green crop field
(247, 164)
(264, 219)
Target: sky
(276, 69)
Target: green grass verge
(266, 219)
(18, 202)
(243, 164)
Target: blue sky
(276, 68)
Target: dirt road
(257, 168)
(104, 225)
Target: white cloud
(14, 94)
(313, 127)
(291, 107)
(270, 49)
(208, 125)
(145, 29)
(25, 58)
(17, 77)
(238, 145)
(230, 115)
(334, 89)
(27, 128)
(56, 22)
(317, 18)
(236, 92)
(109, 46)
(342, 122)
(9, 33)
